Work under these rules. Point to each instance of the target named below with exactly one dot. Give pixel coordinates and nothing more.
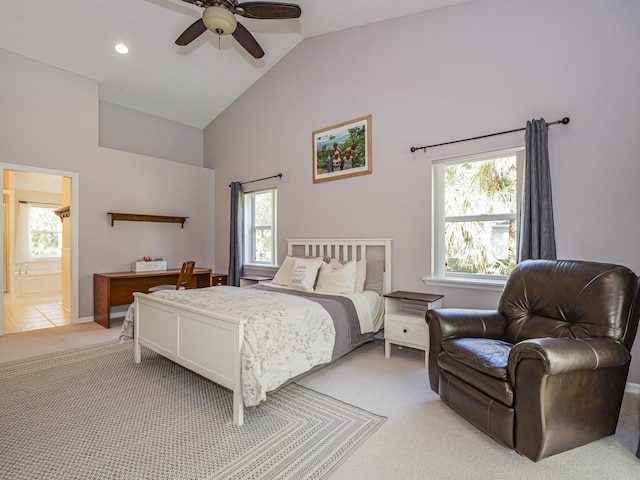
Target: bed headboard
(346, 249)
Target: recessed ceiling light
(121, 48)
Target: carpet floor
(90, 412)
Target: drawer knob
(404, 330)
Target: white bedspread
(284, 335)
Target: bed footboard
(209, 345)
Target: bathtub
(37, 283)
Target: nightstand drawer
(407, 333)
(218, 279)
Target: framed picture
(343, 150)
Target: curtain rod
(260, 179)
(564, 121)
(39, 203)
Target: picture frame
(351, 141)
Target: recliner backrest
(566, 298)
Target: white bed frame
(211, 344)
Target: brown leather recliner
(545, 372)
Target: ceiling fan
(219, 17)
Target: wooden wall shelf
(63, 212)
(134, 217)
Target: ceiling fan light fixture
(219, 20)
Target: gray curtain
(236, 237)
(537, 236)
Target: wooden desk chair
(183, 279)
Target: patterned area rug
(91, 413)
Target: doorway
(39, 244)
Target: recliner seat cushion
(481, 363)
(487, 355)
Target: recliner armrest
(565, 355)
(454, 322)
(451, 323)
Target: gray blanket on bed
(342, 312)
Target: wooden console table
(112, 289)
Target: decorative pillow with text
(304, 273)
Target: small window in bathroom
(46, 232)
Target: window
(45, 229)
(260, 227)
(475, 221)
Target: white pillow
(304, 273)
(361, 266)
(283, 275)
(362, 275)
(337, 278)
(284, 272)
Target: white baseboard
(113, 315)
(632, 388)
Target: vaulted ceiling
(191, 84)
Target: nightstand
(250, 280)
(404, 320)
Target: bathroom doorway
(39, 245)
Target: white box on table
(148, 266)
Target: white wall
(458, 72)
(49, 119)
(132, 131)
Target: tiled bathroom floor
(23, 315)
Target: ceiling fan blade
(196, 29)
(200, 3)
(244, 38)
(266, 10)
